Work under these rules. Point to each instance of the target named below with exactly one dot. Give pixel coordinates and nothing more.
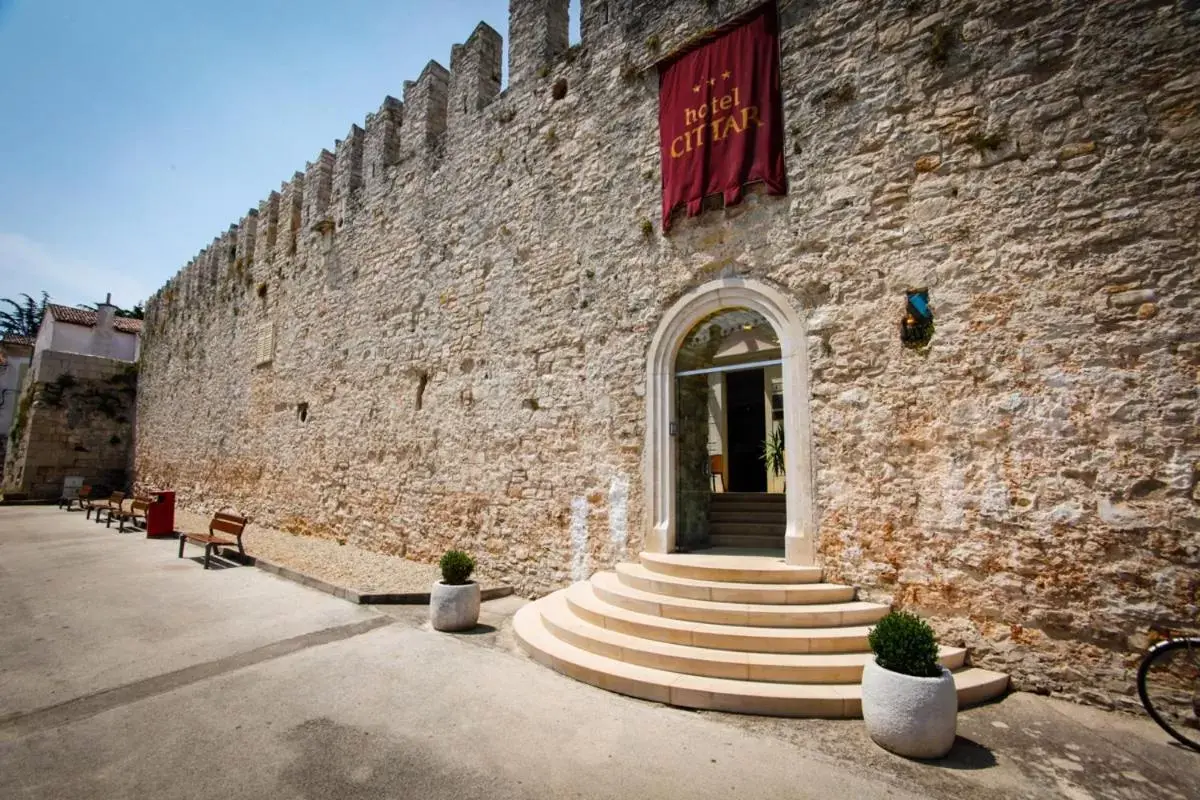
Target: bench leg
(182, 542)
(207, 554)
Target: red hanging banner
(720, 117)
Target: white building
(94, 333)
(15, 354)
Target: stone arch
(659, 456)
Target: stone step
(747, 528)
(737, 569)
(587, 606)
(608, 587)
(763, 498)
(747, 542)
(720, 694)
(559, 618)
(637, 576)
(718, 515)
(747, 506)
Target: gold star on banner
(696, 88)
(712, 81)
(726, 74)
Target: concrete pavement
(88, 609)
(128, 673)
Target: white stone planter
(914, 717)
(454, 608)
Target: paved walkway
(128, 673)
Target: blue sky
(134, 131)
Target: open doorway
(745, 421)
(730, 489)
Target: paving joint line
(23, 723)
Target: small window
(265, 347)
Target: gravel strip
(343, 565)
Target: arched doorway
(734, 303)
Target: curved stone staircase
(740, 633)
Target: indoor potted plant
(909, 703)
(454, 600)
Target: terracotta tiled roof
(25, 341)
(83, 316)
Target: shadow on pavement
(967, 754)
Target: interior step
(747, 542)
(764, 498)
(747, 506)
(721, 694)
(587, 605)
(732, 568)
(560, 619)
(720, 514)
(748, 528)
(608, 587)
(637, 576)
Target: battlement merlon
(347, 174)
(209, 265)
(187, 275)
(594, 16)
(474, 73)
(225, 258)
(183, 278)
(266, 231)
(246, 235)
(318, 189)
(537, 35)
(291, 198)
(382, 144)
(425, 101)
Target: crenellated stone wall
(462, 297)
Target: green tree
(22, 318)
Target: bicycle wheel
(1169, 685)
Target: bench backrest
(116, 498)
(226, 522)
(139, 506)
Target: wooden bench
(85, 493)
(113, 501)
(223, 522)
(137, 510)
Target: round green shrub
(904, 643)
(457, 567)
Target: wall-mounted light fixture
(916, 329)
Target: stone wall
(436, 334)
(75, 417)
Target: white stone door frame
(660, 462)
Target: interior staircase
(739, 633)
(750, 520)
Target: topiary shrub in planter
(909, 703)
(457, 567)
(454, 600)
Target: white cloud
(28, 266)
